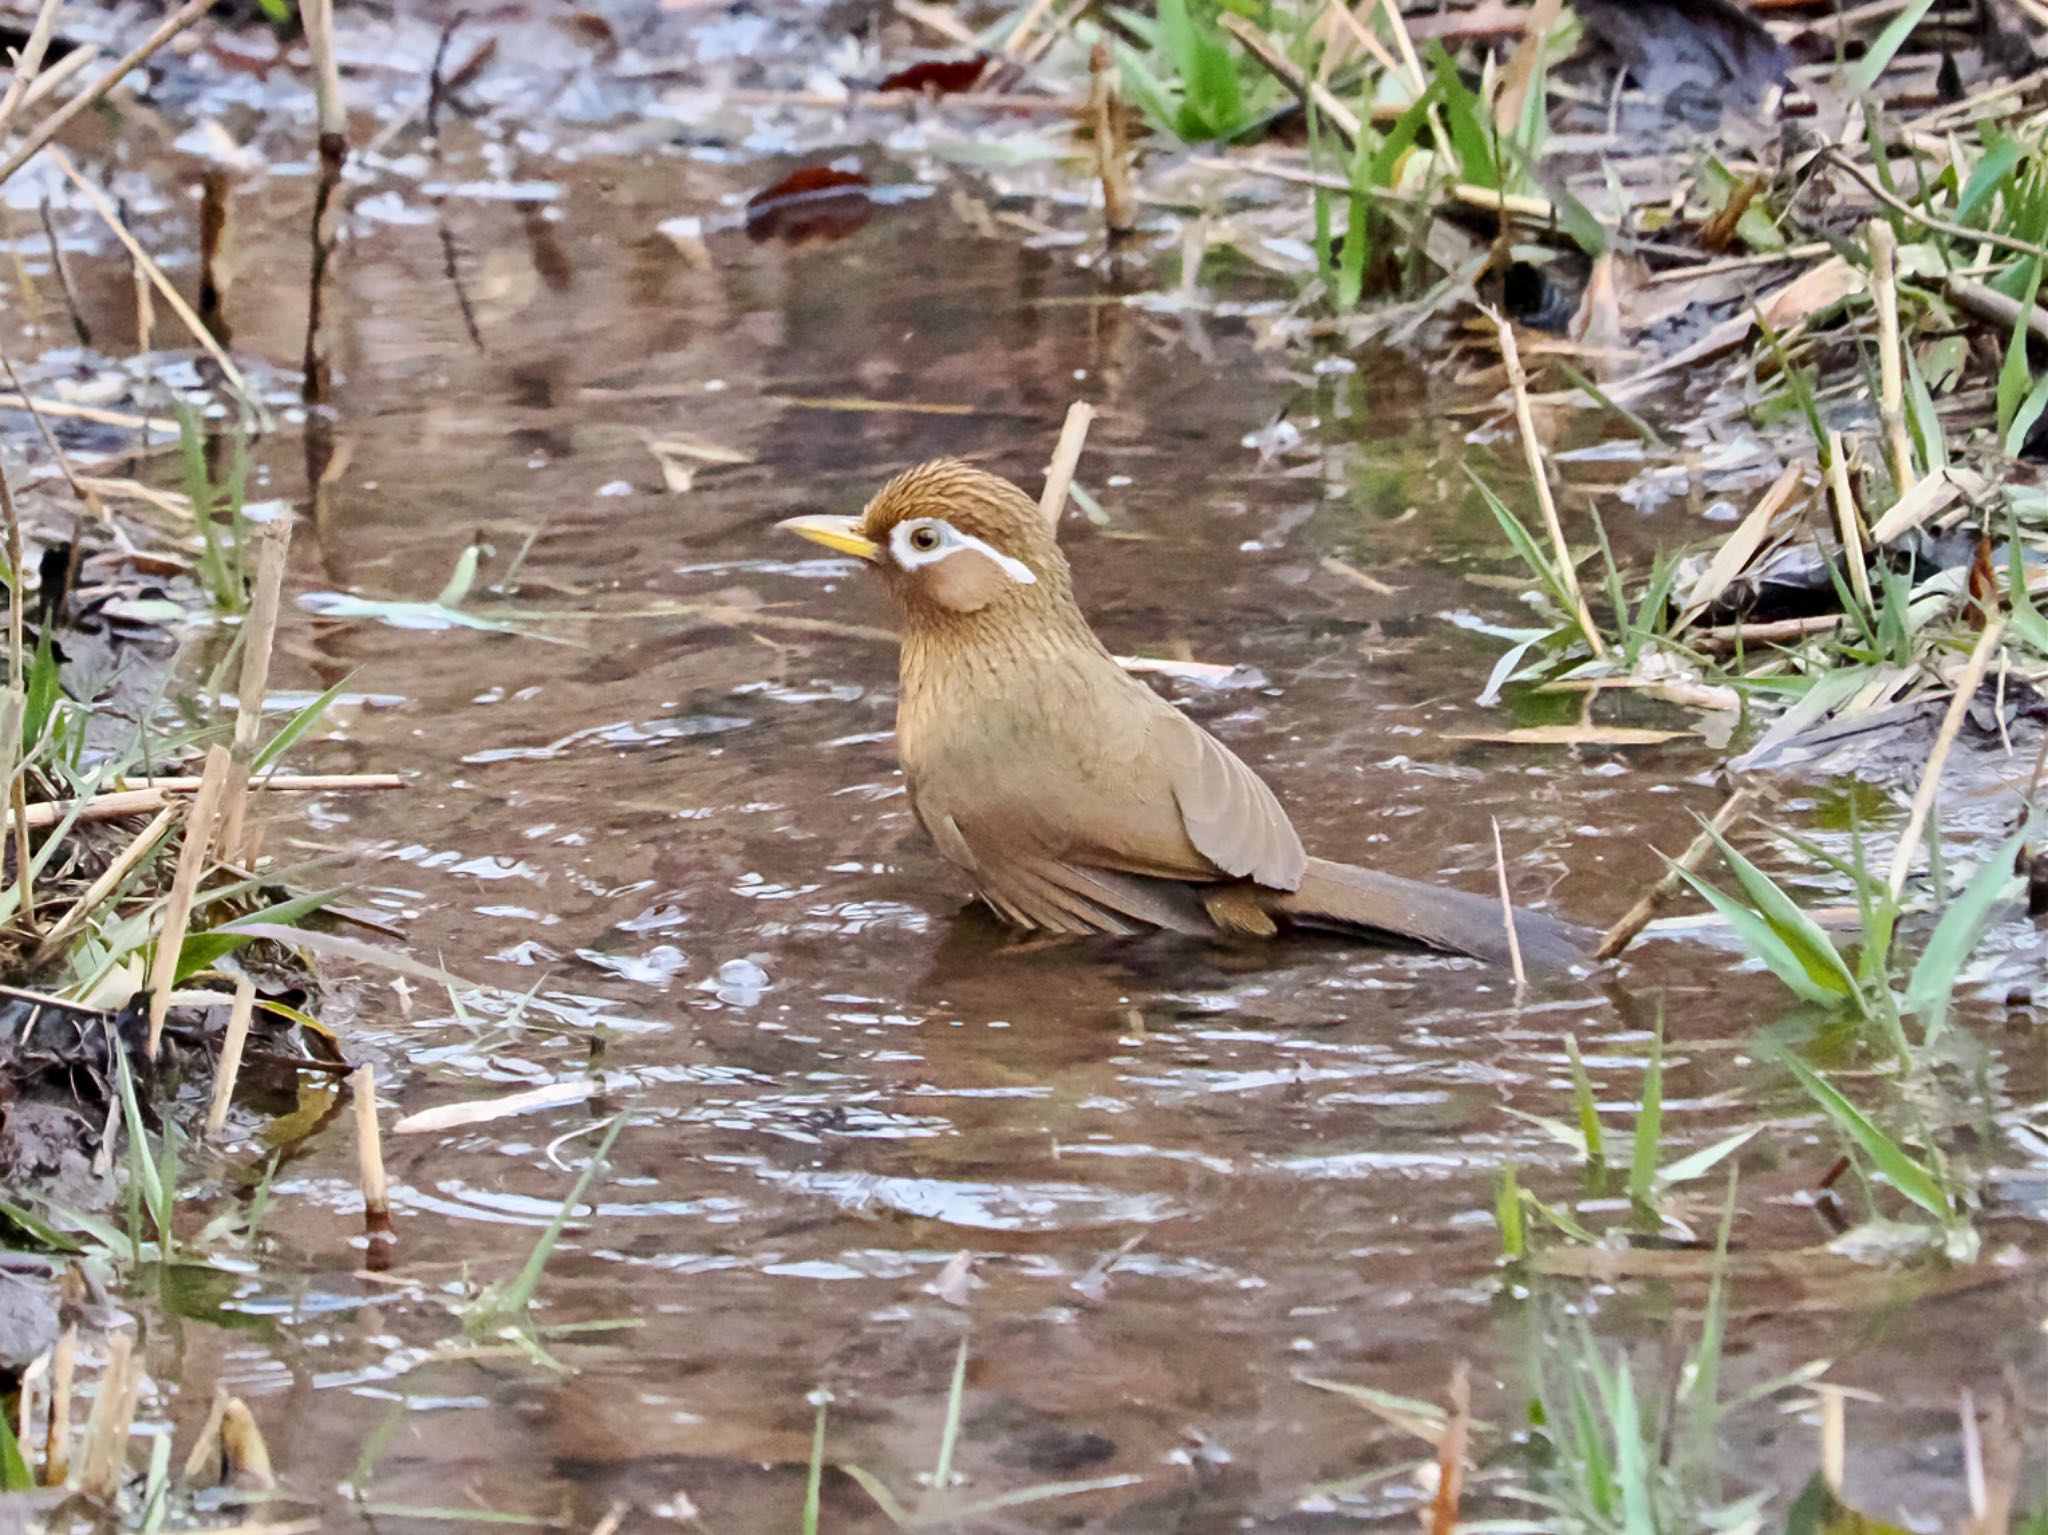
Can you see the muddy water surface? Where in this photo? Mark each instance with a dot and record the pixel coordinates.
(1189, 1178)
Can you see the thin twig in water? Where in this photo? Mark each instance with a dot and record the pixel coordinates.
(163, 285)
(1637, 917)
(86, 498)
(57, 121)
(63, 270)
(1937, 759)
(1507, 911)
(1066, 458)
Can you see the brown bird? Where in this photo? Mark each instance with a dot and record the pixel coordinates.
(1078, 799)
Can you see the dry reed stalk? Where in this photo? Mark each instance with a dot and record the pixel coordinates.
(1066, 458)
(63, 270)
(318, 16)
(1847, 523)
(13, 763)
(1834, 155)
(1507, 912)
(1937, 759)
(1112, 154)
(1450, 1455)
(1362, 35)
(1833, 1435)
(199, 827)
(245, 1458)
(1532, 452)
(203, 337)
(259, 638)
(1637, 917)
(28, 63)
(25, 1403)
(109, 881)
(57, 121)
(47, 82)
(57, 1437)
(1891, 376)
(120, 803)
(1020, 35)
(370, 1156)
(230, 1065)
(104, 1458)
(202, 1461)
(65, 410)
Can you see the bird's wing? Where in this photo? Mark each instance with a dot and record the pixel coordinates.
(1230, 815)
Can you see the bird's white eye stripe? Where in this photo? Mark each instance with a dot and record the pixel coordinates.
(927, 540)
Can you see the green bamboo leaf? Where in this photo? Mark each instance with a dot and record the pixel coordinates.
(296, 727)
(1642, 1170)
(1590, 1134)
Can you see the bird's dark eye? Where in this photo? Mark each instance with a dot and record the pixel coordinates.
(924, 539)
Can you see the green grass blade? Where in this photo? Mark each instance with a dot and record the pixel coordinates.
(520, 1295)
(1892, 1161)
(1642, 1169)
(1507, 1214)
(296, 727)
(14, 1472)
(1956, 936)
(1588, 1108)
(1763, 942)
(949, 1436)
(1889, 41)
(1823, 962)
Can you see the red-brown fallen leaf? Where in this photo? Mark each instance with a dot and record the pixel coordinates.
(816, 202)
(941, 77)
(1983, 586)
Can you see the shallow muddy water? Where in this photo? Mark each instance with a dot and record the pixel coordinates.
(1189, 1177)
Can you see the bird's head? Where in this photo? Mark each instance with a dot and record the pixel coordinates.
(951, 540)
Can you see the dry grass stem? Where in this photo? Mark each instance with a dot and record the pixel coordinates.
(1532, 451)
(110, 880)
(259, 638)
(1637, 917)
(103, 1462)
(1507, 911)
(1741, 546)
(28, 63)
(86, 498)
(1066, 458)
(59, 120)
(1112, 154)
(1833, 1435)
(1951, 723)
(1835, 156)
(192, 857)
(202, 1461)
(1891, 374)
(1929, 497)
(231, 1047)
(1847, 523)
(57, 1437)
(201, 336)
(1450, 1455)
(1310, 92)
(318, 19)
(155, 794)
(370, 1153)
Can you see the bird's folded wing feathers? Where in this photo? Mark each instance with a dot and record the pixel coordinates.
(1230, 815)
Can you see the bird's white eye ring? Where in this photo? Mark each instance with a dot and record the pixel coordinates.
(924, 539)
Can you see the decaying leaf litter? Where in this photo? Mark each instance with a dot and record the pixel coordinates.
(1728, 320)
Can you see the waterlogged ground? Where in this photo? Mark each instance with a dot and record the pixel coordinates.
(663, 802)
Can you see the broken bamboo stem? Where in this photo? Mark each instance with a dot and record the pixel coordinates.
(1066, 458)
(199, 827)
(259, 638)
(231, 1047)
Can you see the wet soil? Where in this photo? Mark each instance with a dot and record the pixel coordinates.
(667, 807)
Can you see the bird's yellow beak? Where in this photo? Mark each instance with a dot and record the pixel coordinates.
(841, 533)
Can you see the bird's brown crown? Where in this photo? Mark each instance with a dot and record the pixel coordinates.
(956, 540)
(977, 503)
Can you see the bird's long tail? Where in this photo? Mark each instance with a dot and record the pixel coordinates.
(1342, 895)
